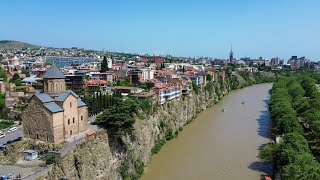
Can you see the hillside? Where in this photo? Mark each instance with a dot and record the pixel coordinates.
(5, 44)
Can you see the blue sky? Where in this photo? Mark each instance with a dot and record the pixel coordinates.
(256, 28)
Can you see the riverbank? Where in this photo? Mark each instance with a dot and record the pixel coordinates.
(219, 145)
(104, 156)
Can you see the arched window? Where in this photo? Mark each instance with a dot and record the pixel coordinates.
(51, 86)
(68, 121)
(61, 85)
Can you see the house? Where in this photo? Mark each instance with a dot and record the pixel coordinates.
(143, 96)
(125, 90)
(167, 92)
(54, 114)
(107, 76)
(135, 76)
(30, 155)
(147, 74)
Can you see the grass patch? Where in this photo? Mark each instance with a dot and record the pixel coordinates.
(5, 124)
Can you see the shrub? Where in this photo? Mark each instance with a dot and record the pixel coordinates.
(169, 134)
(157, 146)
(50, 160)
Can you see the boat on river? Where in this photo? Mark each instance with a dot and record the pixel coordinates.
(223, 110)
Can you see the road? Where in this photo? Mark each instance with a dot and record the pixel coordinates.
(12, 135)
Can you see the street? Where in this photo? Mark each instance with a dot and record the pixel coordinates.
(11, 135)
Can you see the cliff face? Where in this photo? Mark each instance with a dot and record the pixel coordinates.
(103, 157)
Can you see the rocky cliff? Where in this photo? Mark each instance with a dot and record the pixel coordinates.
(104, 157)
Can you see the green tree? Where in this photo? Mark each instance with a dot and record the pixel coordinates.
(25, 72)
(15, 77)
(104, 65)
(209, 77)
(119, 118)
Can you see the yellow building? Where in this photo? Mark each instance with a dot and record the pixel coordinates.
(56, 113)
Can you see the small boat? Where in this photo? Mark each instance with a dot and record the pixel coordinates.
(223, 110)
(242, 102)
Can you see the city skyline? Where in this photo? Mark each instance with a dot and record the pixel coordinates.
(267, 29)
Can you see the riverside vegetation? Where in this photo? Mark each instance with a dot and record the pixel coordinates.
(294, 108)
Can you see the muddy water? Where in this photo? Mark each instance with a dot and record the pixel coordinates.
(219, 145)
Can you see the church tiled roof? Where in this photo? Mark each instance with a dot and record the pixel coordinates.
(43, 97)
(51, 102)
(53, 107)
(53, 73)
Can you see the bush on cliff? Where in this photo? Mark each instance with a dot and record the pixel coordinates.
(157, 146)
(119, 118)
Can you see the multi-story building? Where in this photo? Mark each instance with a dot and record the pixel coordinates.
(167, 92)
(54, 114)
(107, 76)
(135, 76)
(147, 74)
(75, 82)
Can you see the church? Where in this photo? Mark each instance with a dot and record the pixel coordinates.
(54, 114)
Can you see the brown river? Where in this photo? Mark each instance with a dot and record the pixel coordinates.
(219, 145)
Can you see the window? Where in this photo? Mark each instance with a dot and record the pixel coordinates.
(37, 136)
(70, 104)
(68, 121)
(70, 132)
(81, 118)
(51, 83)
(73, 120)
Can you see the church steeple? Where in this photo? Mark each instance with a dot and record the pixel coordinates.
(54, 81)
(231, 55)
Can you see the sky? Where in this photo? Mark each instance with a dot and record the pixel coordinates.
(266, 28)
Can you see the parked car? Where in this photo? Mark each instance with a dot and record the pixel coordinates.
(18, 139)
(9, 142)
(12, 129)
(2, 134)
(2, 146)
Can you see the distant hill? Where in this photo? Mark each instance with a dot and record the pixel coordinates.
(6, 44)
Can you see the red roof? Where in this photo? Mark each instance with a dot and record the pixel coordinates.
(267, 178)
(104, 82)
(92, 83)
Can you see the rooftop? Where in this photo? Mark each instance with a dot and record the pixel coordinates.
(53, 73)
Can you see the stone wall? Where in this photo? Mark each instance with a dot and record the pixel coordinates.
(37, 122)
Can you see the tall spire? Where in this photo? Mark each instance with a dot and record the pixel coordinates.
(231, 55)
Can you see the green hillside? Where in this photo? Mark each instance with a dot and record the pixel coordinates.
(5, 44)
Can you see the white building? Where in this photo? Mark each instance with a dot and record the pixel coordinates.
(147, 73)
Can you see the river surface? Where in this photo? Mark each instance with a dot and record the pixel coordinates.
(219, 145)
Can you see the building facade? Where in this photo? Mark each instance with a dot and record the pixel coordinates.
(54, 114)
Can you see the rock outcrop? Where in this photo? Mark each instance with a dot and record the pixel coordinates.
(103, 157)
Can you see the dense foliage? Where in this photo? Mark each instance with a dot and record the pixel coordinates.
(293, 101)
(104, 65)
(3, 109)
(119, 114)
